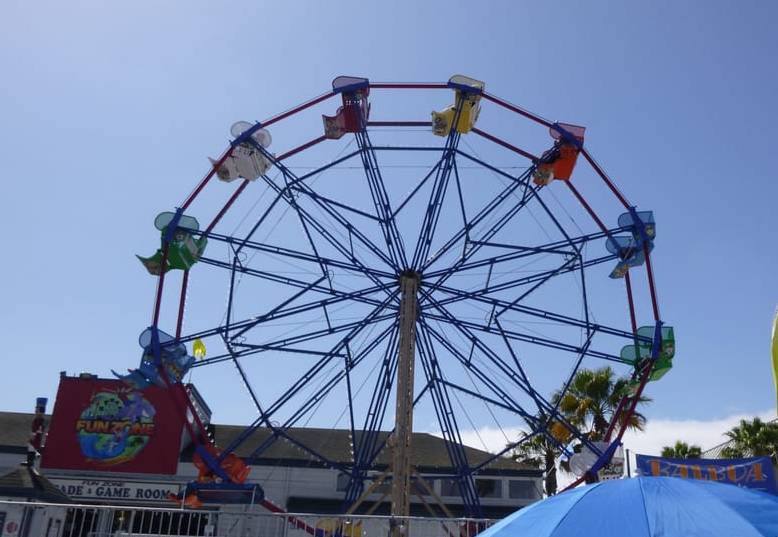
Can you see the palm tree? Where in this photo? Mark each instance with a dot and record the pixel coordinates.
(542, 449)
(541, 453)
(752, 439)
(682, 450)
(592, 400)
(590, 404)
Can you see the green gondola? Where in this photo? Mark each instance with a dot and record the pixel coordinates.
(183, 250)
(638, 354)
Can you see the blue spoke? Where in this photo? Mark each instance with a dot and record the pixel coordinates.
(488, 166)
(482, 397)
(365, 446)
(448, 423)
(295, 254)
(279, 312)
(526, 338)
(300, 383)
(339, 205)
(304, 188)
(519, 367)
(529, 249)
(252, 324)
(506, 449)
(508, 372)
(526, 280)
(292, 282)
(253, 348)
(417, 187)
(259, 222)
(487, 380)
(565, 267)
(581, 355)
(301, 216)
(324, 390)
(507, 192)
(461, 205)
(578, 251)
(357, 328)
(437, 195)
(394, 242)
(521, 252)
(294, 181)
(250, 350)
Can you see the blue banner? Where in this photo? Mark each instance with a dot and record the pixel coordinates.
(755, 472)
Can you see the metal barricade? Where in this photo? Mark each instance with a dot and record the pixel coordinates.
(69, 520)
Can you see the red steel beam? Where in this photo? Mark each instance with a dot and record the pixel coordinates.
(587, 207)
(505, 144)
(182, 304)
(293, 111)
(407, 85)
(516, 109)
(605, 178)
(399, 123)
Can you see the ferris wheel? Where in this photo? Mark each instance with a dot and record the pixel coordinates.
(393, 269)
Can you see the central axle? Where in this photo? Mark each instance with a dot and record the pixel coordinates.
(403, 426)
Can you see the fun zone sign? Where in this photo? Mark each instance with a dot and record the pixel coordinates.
(103, 425)
(125, 491)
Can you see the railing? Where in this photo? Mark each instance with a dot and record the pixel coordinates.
(69, 520)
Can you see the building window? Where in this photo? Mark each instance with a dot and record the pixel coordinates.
(342, 483)
(486, 488)
(489, 488)
(383, 488)
(449, 487)
(343, 480)
(523, 490)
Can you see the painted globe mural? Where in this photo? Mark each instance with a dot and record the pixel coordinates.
(115, 427)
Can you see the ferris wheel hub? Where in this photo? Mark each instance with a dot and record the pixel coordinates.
(410, 274)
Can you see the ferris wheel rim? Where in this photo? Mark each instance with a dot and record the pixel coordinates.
(208, 232)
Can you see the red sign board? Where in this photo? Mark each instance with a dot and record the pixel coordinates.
(104, 425)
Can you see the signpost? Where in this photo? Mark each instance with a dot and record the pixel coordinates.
(116, 491)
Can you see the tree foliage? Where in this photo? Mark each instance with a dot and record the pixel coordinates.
(540, 452)
(752, 438)
(682, 450)
(589, 404)
(592, 400)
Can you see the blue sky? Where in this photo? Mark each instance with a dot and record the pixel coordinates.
(108, 111)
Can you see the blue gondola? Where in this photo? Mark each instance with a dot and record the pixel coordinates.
(173, 358)
(631, 249)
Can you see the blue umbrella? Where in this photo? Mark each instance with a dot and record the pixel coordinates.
(647, 507)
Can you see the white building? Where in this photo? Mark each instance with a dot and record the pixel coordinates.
(291, 478)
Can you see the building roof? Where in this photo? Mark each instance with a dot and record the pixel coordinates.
(15, 431)
(25, 483)
(716, 451)
(429, 453)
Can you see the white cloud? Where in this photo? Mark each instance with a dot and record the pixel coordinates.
(704, 433)
(490, 439)
(659, 432)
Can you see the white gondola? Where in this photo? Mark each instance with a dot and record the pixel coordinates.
(246, 160)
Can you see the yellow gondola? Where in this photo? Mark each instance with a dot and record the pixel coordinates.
(468, 95)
